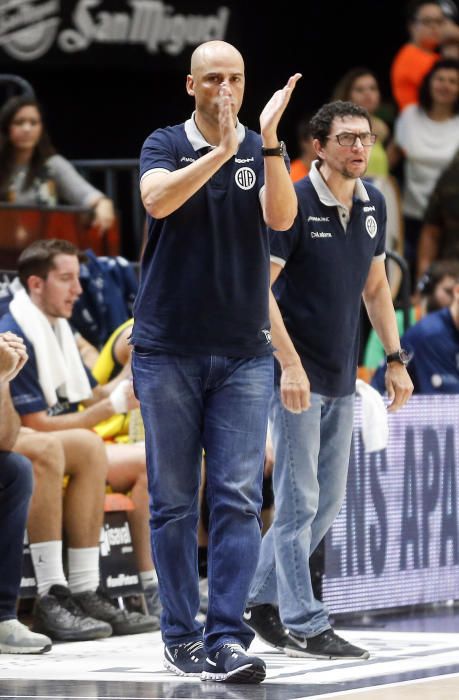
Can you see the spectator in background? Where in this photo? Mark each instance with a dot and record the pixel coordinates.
(360, 86)
(440, 232)
(33, 174)
(435, 291)
(434, 344)
(428, 26)
(450, 48)
(47, 395)
(299, 167)
(427, 136)
(16, 484)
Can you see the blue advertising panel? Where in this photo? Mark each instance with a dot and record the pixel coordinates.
(395, 541)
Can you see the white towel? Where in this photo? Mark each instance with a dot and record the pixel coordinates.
(60, 368)
(375, 424)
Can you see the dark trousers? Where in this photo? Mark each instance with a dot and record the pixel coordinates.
(16, 484)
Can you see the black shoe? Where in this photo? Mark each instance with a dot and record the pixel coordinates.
(185, 659)
(265, 620)
(57, 615)
(99, 605)
(326, 645)
(232, 664)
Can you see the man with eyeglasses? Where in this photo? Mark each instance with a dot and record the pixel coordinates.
(428, 27)
(320, 268)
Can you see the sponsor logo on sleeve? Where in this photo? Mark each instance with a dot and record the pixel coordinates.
(371, 226)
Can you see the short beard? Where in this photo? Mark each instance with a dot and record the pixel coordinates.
(350, 176)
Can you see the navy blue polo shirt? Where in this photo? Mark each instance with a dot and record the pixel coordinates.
(326, 257)
(205, 270)
(25, 388)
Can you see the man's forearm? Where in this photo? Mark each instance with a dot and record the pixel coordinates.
(9, 419)
(164, 193)
(380, 309)
(285, 350)
(280, 200)
(80, 419)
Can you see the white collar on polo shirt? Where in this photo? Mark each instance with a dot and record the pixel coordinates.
(324, 193)
(198, 141)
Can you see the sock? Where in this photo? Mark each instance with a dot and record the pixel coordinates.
(47, 563)
(148, 579)
(83, 569)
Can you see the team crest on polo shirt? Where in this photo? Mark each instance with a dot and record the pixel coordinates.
(371, 226)
(245, 178)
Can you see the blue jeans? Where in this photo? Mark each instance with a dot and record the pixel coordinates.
(219, 404)
(310, 471)
(16, 484)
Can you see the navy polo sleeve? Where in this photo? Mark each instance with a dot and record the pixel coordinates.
(382, 223)
(283, 243)
(25, 390)
(157, 153)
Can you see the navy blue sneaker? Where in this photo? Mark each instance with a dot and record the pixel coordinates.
(185, 659)
(232, 664)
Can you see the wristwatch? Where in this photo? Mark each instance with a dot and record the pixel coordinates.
(279, 150)
(402, 356)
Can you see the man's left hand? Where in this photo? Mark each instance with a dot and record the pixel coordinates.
(274, 109)
(398, 384)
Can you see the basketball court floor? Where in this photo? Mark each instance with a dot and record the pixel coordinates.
(413, 657)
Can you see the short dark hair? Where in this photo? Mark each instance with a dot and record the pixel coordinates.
(425, 95)
(444, 268)
(435, 273)
(413, 7)
(38, 258)
(321, 122)
(42, 151)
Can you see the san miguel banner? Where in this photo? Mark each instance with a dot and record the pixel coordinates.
(396, 540)
(60, 29)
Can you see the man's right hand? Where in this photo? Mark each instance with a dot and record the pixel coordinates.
(295, 389)
(228, 134)
(13, 356)
(122, 397)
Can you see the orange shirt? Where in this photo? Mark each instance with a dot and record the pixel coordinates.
(409, 67)
(298, 170)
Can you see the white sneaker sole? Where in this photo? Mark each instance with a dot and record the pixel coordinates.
(244, 674)
(7, 649)
(307, 655)
(178, 671)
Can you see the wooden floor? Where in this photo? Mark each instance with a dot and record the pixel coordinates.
(412, 658)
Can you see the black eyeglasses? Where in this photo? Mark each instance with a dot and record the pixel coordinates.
(347, 138)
